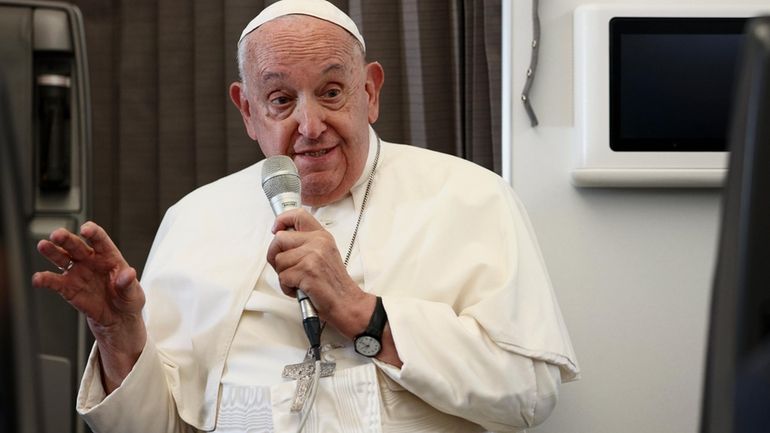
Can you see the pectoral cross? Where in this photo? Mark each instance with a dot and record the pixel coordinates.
(303, 373)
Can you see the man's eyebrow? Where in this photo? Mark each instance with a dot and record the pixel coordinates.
(335, 67)
(268, 76)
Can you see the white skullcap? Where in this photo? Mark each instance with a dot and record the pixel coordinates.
(316, 8)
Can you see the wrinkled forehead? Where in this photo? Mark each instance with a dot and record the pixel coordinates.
(293, 50)
(319, 9)
(294, 39)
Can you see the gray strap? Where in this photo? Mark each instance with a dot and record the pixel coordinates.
(532, 64)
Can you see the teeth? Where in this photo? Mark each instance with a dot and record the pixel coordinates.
(316, 154)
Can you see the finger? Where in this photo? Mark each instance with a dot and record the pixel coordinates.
(284, 241)
(297, 219)
(287, 259)
(72, 244)
(289, 281)
(97, 237)
(53, 281)
(56, 255)
(289, 291)
(40, 280)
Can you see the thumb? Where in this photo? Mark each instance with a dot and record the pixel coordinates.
(124, 282)
(297, 219)
(128, 288)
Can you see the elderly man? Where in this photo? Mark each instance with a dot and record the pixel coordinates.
(441, 273)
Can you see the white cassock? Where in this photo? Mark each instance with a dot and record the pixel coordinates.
(445, 243)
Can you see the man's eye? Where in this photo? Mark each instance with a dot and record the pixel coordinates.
(332, 93)
(280, 100)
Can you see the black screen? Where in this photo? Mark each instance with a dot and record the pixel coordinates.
(671, 81)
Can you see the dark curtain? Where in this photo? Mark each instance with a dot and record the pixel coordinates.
(163, 123)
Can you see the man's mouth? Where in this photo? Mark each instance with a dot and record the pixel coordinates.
(315, 153)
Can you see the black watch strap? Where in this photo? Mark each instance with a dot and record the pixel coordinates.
(378, 320)
(369, 342)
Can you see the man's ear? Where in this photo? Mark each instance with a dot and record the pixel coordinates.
(375, 77)
(238, 96)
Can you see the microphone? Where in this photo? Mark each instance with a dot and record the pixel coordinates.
(282, 186)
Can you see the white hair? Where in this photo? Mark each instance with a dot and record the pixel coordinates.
(241, 58)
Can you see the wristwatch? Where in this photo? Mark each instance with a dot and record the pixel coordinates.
(369, 342)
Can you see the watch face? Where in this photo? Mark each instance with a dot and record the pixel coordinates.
(367, 346)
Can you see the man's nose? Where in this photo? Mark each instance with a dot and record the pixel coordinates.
(311, 118)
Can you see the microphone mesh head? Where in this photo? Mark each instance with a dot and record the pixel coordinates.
(279, 175)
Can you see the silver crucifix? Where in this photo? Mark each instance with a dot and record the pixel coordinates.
(303, 374)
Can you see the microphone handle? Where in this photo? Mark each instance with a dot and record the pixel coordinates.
(310, 321)
(305, 305)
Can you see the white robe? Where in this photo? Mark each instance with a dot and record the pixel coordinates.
(445, 243)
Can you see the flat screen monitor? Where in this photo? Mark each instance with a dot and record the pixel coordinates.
(737, 381)
(671, 82)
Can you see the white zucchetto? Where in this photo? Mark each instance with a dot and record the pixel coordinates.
(316, 8)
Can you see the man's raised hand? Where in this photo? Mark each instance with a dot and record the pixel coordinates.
(97, 281)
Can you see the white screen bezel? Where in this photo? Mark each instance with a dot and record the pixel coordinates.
(596, 164)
